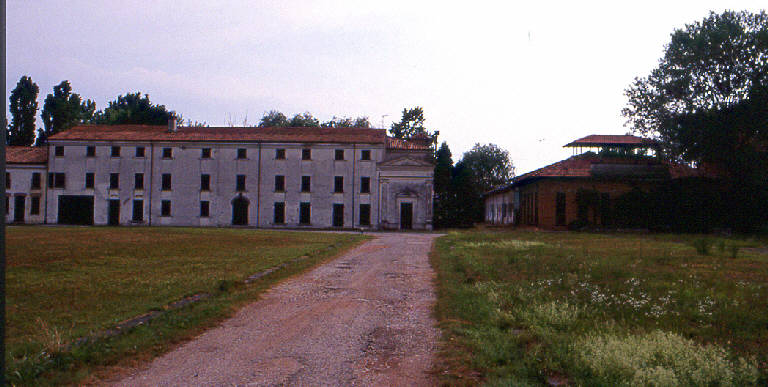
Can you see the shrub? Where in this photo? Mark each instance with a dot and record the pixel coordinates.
(658, 359)
(702, 245)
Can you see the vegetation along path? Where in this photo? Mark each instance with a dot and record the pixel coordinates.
(363, 318)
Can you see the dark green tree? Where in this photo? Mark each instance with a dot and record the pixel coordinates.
(133, 108)
(443, 203)
(23, 107)
(304, 120)
(273, 119)
(490, 166)
(62, 110)
(347, 122)
(411, 123)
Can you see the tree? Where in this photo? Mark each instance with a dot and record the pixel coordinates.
(132, 108)
(347, 122)
(707, 102)
(443, 203)
(490, 166)
(273, 119)
(23, 107)
(62, 110)
(411, 123)
(305, 120)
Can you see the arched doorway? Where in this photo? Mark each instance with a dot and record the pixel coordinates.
(240, 211)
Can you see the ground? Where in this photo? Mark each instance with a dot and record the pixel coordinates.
(363, 318)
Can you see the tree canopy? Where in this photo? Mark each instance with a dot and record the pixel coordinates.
(273, 119)
(304, 120)
(490, 166)
(133, 108)
(347, 122)
(62, 110)
(23, 107)
(411, 123)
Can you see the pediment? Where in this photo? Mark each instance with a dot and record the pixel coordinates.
(406, 161)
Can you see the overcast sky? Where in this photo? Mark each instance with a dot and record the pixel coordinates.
(528, 77)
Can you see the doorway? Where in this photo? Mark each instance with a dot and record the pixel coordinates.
(338, 215)
(406, 216)
(113, 213)
(75, 209)
(240, 211)
(18, 209)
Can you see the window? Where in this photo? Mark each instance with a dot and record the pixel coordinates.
(138, 181)
(138, 211)
(90, 151)
(166, 183)
(304, 213)
(205, 208)
(56, 180)
(306, 154)
(34, 206)
(338, 184)
(139, 151)
(116, 151)
(365, 214)
(339, 154)
(338, 215)
(280, 154)
(205, 182)
(35, 180)
(89, 177)
(114, 180)
(242, 153)
(59, 151)
(240, 184)
(560, 209)
(205, 153)
(306, 184)
(165, 208)
(279, 216)
(7, 205)
(167, 153)
(365, 184)
(7, 180)
(279, 183)
(365, 155)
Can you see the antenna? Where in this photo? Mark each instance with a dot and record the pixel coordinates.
(382, 120)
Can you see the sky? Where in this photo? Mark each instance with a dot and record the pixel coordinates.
(528, 77)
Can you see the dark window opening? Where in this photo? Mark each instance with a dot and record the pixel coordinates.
(304, 213)
(305, 184)
(365, 214)
(56, 180)
(36, 180)
(205, 153)
(34, 207)
(139, 151)
(166, 182)
(114, 180)
(240, 184)
(205, 208)
(338, 184)
(116, 151)
(365, 185)
(365, 155)
(165, 208)
(59, 151)
(279, 216)
(338, 215)
(167, 153)
(7, 180)
(242, 153)
(339, 155)
(138, 211)
(205, 182)
(280, 154)
(138, 181)
(306, 154)
(279, 183)
(90, 151)
(89, 180)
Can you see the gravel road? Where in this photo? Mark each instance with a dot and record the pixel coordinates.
(361, 319)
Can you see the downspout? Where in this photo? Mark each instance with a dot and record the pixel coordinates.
(354, 158)
(151, 177)
(258, 190)
(47, 187)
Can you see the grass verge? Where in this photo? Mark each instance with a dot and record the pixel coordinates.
(524, 308)
(64, 283)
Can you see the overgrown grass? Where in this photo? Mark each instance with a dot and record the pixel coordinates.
(64, 283)
(524, 308)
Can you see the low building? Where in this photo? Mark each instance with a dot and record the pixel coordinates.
(25, 184)
(581, 187)
(263, 177)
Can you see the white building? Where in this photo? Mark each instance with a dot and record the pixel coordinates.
(263, 177)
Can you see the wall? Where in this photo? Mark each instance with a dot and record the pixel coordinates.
(21, 185)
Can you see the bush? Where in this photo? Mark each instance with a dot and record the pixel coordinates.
(658, 359)
(703, 245)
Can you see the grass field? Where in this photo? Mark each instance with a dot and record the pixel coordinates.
(524, 308)
(64, 283)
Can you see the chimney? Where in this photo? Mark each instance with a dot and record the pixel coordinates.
(172, 123)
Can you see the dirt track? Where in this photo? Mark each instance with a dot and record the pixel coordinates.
(361, 319)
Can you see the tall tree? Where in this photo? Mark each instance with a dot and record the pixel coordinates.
(304, 120)
(443, 204)
(490, 166)
(62, 110)
(411, 123)
(23, 106)
(133, 108)
(273, 119)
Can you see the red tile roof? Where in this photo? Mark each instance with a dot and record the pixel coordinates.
(400, 144)
(26, 155)
(221, 134)
(610, 140)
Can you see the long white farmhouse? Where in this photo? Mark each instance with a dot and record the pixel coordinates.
(203, 176)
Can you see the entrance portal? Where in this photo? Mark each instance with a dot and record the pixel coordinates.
(338, 215)
(18, 209)
(114, 212)
(406, 216)
(240, 211)
(75, 209)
